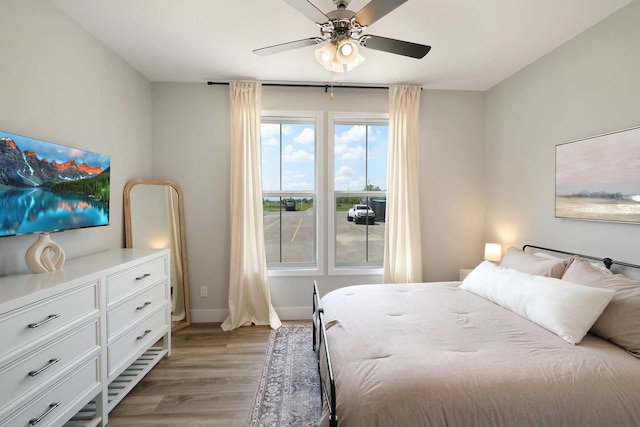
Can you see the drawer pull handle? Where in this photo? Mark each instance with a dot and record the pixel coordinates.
(47, 366)
(143, 305)
(34, 421)
(47, 320)
(147, 332)
(144, 276)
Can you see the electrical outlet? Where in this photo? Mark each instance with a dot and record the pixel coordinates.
(203, 292)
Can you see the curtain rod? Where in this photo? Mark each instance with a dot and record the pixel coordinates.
(325, 86)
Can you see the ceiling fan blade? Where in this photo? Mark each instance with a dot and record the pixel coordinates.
(375, 10)
(398, 47)
(282, 47)
(309, 10)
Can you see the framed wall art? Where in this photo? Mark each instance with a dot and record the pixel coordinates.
(598, 178)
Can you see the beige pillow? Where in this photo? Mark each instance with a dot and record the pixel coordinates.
(620, 321)
(532, 264)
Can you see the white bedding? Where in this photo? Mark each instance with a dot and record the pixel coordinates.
(432, 354)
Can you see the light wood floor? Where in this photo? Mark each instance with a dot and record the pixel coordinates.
(209, 380)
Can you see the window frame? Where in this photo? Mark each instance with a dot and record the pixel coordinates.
(281, 116)
(331, 194)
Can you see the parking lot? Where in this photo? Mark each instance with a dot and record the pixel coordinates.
(298, 231)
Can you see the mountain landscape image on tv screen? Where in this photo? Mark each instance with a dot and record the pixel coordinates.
(47, 187)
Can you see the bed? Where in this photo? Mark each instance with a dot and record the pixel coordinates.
(475, 354)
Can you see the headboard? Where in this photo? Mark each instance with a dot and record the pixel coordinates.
(608, 262)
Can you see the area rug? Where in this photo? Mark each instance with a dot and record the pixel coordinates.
(289, 389)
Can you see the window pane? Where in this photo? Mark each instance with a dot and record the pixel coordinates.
(377, 144)
(360, 231)
(289, 231)
(360, 183)
(270, 138)
(298, 148)
(288, 156)
(288, 187)
(271, 221)
(350, 152)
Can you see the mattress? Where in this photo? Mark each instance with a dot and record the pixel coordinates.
(432, 354)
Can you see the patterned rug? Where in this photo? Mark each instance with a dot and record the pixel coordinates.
(289, 389)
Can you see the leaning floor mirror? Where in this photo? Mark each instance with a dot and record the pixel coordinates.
(154, 218)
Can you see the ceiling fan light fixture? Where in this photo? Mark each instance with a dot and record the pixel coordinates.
(326, 55)
(330, 57)
(347, 51)
(341, 34)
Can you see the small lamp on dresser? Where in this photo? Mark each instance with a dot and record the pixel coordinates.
(493, 252)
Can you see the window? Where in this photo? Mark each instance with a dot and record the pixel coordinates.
(310, 205)
(289, 191)
(359, 191)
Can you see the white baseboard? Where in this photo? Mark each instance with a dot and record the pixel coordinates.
(285, 313)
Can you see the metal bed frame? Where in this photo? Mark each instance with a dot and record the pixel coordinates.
(608, 262)
(327, 391)
(321, 346)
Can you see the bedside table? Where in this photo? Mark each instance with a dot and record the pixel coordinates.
(464, 272)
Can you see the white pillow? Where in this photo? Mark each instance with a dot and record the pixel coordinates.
(565, 308)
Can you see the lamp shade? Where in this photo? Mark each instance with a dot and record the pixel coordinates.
(331, 59)
(347, 51)
(493, 252)
(326, 55)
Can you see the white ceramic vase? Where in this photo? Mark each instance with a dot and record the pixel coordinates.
(44, 255)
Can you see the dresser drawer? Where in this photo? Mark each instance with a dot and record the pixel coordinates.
(129, 281)
(135, 309)
(53, 407)
(37, 321)
(29, 372)
(136, 340)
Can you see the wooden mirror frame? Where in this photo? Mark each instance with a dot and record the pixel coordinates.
(183, 243)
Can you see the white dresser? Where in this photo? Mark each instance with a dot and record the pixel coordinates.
(74, 342)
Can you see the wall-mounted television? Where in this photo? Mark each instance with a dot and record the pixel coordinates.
(46, 187)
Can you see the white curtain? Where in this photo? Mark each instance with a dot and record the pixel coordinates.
(249, 296)
(402, 251)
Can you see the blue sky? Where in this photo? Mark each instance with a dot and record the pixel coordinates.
(298, 146)
(59, 153)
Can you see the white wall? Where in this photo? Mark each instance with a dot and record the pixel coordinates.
(452, 193)
(192, 147)
(191, 135)
(586, 87)
(59, 84)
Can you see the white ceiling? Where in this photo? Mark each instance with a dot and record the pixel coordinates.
(475, 43)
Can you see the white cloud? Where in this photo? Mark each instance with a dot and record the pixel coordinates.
(297, 156)
(269, 129)
(270, 142)
(374, 134)
(296, 181)
(345, 170)
(353, 134)
(307, 136)
(289, 154)
(270, 134)
(346, 152)
(346, 179)
(287, 130)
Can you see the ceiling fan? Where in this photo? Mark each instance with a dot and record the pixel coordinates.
(341, 33)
